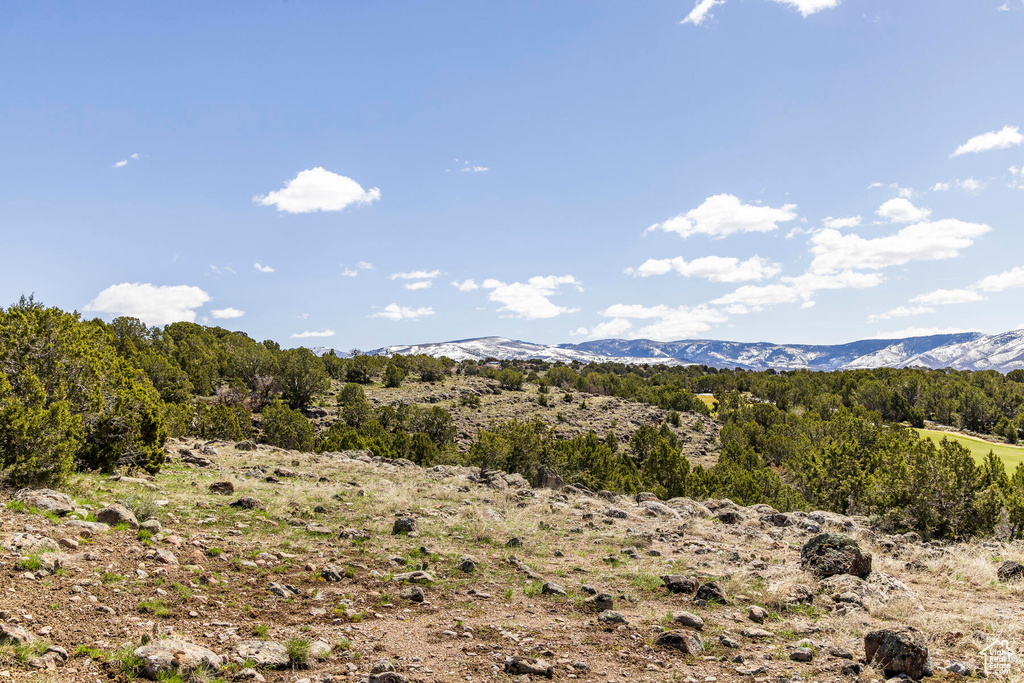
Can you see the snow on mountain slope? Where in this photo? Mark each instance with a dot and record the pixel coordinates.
(965, 351)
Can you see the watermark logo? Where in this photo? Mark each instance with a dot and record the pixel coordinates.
(998, 659)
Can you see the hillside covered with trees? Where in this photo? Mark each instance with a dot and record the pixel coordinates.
(90, 395)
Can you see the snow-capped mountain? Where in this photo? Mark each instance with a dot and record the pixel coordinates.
(965, 351)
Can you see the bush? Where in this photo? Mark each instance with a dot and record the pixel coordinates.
(511, 379)
(286, 428)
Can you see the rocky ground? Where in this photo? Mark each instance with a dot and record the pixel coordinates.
(585, 412)
(281, 566)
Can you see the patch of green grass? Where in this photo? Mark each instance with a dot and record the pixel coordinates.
(93, 653)
(979, 448)
(260, 631)
(157, 608)
(17, 506)
(30, 562)
(131, 666)
(533, 589)
(145, 535)
(214, 552)
(111, 577)
(342, 644)
(646, 582)
(298, 651)
(184, 593)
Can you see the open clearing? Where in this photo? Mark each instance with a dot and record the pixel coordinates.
(1010, 455)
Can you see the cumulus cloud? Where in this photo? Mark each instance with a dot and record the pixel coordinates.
(467, 167)
(579, 332)
(309, 334)
(1011, 279)
(944, 297)
(724, 214)
(701, 12)
(395, 312)
(466, 285)
(809, 7)
(925, 241)
(941, 187)
(348, 272)
(262, 268)
(152, 304)
(901, 210)
(900, 312)
(1009, 136)
(749, 298)
(364, 265)
(422, 284)
(531, 299)
(712, 268)
(227, 313)
(415, 275)
(317, 189)
(840, 223)
(972, 185)
(667, 323)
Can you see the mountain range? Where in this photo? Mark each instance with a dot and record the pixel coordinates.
(963, 351)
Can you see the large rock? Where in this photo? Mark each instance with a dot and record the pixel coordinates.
(712, 591)
(403, 525)
(9, 633)
(686, 642)
(266, 653)
(46, 500)
(547, 478)
(117, 514)
(1010, 570)
(161, 657)
(831, 554)
(898, 652)
(678, 583)
(521, 665)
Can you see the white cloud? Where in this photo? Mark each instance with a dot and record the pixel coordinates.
(415, 275)
(925, 241)
(921, 332)
(227, 313)
(840, 223)
(1011, 279)
(809, 7)
(262, 268)
(466, 285)
(124, 162)
(900, 312)
(308, 334)
(317, 189)
(701, 12)
(756, 297)
(971, 185)
(724, 214)
(811, 282)
(901, 210)
(422, 284)
(670, 323)
(364, 265)
(530, 300)
(944, 297)
(348, 272)
(152, 304)
(395, 312)
(1017, 177)
(579, 332)
(1009, 136)
(713, 268)
(475, 169)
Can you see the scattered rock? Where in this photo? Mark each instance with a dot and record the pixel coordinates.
(523, 665)
(245, 446)
(802, 654)
(467, 565)
(689, 620)
(677, 583)
(686, 642)
(550, 588)
(264, 653)
(712, 591)
(223, 488)
(758, 614)
(170, 656)
(248, 503)
(404, 525)
(756, 633)
(414, 577)
(115, 514)
(611, 617)
(332, 573)
(547, 478)
(413, 594)
(832, 554)
(600, 602)
(897, 652)
(1010, 570)
(46, 500)
(9, 633)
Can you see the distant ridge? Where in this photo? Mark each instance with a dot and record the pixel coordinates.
(963, 351)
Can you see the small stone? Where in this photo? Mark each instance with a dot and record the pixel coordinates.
(523, 665)
(404, 525)
(413, 594)
(758, 614)
(117, 514)
(802, 654)
(686, 642)
(689, 620)
(611, 617)
(550, 588)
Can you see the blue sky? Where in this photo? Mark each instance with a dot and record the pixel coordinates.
(359, 174)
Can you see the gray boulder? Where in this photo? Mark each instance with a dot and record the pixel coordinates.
(898, 651)
(175, 656)
(832, 554)
(46, 500)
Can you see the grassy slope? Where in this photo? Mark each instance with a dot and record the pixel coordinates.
(1011, 455)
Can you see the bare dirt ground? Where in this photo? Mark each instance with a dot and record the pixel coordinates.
(214, 581)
